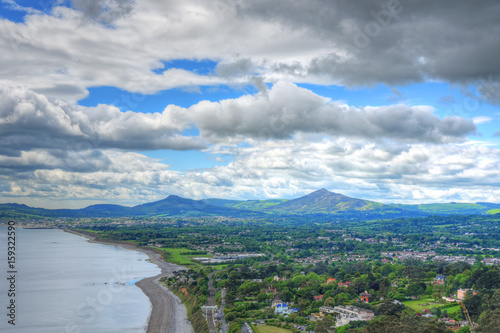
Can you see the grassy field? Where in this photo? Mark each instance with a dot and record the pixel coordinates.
(494, 211)
(181, 256)
(270, 329)
(416, 305)
(443, 226)
(452, 310)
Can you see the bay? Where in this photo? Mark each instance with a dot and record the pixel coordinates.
(66, 284)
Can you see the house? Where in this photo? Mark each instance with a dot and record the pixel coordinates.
(271, 290)
(281, 308)
(461, 293)
(365, 297)
(440, 279)
(276, 302)
(316, 316)
(330, 280)
(345, 284)
(318, 298)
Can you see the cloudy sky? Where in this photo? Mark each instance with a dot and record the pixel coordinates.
(123, 101)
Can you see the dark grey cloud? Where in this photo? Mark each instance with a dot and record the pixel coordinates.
(236, 68)
(29, 121)
(391, 41)
(104, 11)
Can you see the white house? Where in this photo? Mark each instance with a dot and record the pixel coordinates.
(283, 309)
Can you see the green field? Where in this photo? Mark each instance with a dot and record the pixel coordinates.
(494, 211)
(181, 256)
(443, 225)
(416, 305)
(270, 329)
(453, 309)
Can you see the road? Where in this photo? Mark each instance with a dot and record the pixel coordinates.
(245, 328)
(223, 327)
(210, 314)
(212, 327)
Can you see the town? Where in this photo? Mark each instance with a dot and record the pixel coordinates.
(304, 275)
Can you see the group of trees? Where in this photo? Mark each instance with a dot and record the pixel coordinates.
(286, 242)
(251, 299)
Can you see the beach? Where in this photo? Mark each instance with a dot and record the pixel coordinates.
(168, 314)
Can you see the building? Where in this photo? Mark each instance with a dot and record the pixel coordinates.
(345, 284)
(365, 297)
(348, 313)
(276, 302)
(440, 279)
(326, 310)
(283, 309)
(330, 280)
(316, 316)
(318, 298)
(461, 293)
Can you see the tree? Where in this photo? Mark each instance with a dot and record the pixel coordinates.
(436, 311)
(493, 302)
(489, 321)
(323, 325)
(390, 308)
(489, 280)
(473, 305)
(414, 273)
(436, 296)
(262, 297)
(415, 289)
(330, 302)
(230, 316)
(386, 269)
(464, 329)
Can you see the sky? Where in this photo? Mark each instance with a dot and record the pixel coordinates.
(126, 102)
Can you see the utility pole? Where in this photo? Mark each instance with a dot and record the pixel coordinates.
(467, 317)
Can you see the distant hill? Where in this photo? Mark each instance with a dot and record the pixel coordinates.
(323, 202)
(319, 203)
(169, 207)
(174, 205)
(451, 208)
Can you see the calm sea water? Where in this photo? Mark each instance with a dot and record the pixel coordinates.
(66, 284)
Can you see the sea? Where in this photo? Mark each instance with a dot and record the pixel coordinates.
(64, 284)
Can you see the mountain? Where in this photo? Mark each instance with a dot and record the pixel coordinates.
(451, 208)
(171, 206)
(174, 205)
(222, 202)
(319, 203)
(324, 202)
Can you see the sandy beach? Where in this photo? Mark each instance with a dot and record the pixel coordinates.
(168, 314)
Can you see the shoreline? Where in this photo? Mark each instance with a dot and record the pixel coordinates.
(168, 314)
